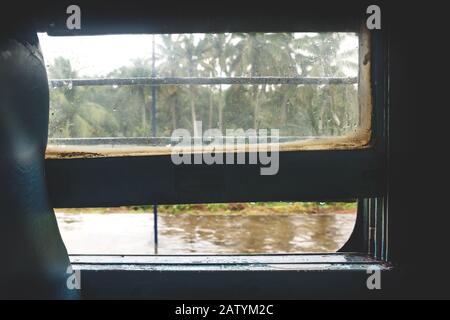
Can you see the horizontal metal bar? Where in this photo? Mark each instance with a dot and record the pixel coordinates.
(110, 141)
(57, 83)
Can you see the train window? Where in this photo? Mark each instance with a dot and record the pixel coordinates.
(283, 116)
(118, 103)
(115, 95)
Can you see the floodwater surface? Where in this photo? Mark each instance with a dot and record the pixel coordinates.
(132, 233)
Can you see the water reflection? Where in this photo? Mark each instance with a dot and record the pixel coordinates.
(116, 233)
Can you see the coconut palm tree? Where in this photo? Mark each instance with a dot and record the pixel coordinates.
(217, 50)
(259, 54)
(327, 107)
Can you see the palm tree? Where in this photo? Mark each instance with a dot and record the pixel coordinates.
(282, 54)
(259, 54)
(171, 65)
(72, 112)
(325, 106)
(217, 49)
(192, 55)
(140, 68)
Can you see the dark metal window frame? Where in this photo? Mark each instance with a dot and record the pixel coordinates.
(304, 176)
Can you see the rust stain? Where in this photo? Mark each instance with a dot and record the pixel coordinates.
(53, 154)
(359, 140)
(366, 58)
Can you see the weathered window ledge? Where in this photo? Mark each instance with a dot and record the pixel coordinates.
(267, 262)
(301, 276)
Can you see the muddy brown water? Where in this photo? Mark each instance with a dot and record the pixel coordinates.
(128, 233)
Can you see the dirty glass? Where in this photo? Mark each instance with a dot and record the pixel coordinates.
(133, 91)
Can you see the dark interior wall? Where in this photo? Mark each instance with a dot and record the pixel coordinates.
(417, 189)
(418, 205)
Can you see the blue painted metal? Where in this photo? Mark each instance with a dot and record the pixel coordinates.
(155, 207)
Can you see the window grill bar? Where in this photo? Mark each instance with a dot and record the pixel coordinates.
(153, 112)
(58, 83)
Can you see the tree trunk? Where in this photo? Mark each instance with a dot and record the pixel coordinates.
(283, 116)
(193, 111)
(174, 113)
(210, 109)
(257, 105)
(334, 128)
(144, 108)
(220, 109)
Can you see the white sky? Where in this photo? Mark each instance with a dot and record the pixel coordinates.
(98, 55)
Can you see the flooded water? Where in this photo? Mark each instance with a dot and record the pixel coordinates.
(128, 233)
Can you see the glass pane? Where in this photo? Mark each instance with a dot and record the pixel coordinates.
(134, 91)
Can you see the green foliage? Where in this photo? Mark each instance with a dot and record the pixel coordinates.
(305, 110)
(250, 208)
(253, 208)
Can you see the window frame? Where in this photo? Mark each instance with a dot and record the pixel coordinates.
(112, 278)
(344, 174)
(323, 174)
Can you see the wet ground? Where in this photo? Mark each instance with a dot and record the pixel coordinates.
(128, 233)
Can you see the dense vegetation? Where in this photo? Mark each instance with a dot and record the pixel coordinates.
(297, 110)
(249, 208)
